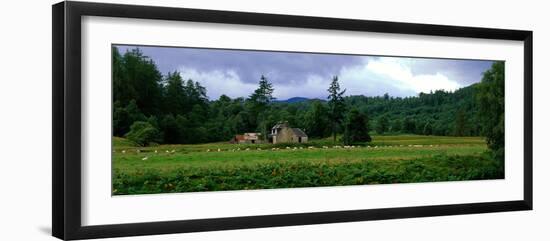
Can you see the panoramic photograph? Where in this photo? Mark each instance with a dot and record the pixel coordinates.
(202, 119)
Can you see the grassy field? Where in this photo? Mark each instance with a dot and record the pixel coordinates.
(224, 166)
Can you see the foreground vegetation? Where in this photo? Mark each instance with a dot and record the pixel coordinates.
(222, 166)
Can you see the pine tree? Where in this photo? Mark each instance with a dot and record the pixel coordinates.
(175, 95)
(336, 106)
(260, 100)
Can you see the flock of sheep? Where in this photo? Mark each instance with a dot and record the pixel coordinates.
(286, 148)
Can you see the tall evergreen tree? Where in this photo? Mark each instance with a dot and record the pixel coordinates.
(260, 100)
(143, 77)
(336, 106)
(175, 95)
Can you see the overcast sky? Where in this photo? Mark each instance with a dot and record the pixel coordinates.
(236, 72)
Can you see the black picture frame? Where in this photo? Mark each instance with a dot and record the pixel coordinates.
(66, 59)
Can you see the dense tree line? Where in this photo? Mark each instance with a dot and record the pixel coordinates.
(170, 109)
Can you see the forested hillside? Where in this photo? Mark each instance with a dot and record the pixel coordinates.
(172, 109)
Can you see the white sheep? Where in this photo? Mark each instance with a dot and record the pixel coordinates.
(123, 151)
(325, 147)
(145, 158)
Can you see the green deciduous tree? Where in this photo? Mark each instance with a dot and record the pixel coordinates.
(316, 120)
(490, 97)
(143, 133)
(356, 128)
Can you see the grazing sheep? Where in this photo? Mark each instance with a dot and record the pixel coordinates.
(287, 147)
(238, 149)
(123, 151)
(325, 147)
(138, 151)
(375, 147)
(219, 150)
(207, 150)
(145, 158)
(337, 147)
(310, 147)
(248, 149)
(156, 151)
(167, 151)
(173, 151)
(294, 148)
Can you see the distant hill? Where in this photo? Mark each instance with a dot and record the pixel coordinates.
(295, 100)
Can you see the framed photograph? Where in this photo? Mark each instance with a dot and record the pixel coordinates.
(169, 120)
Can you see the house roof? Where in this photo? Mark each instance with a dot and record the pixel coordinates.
(239, 137)
(280, 125)
(298, 132)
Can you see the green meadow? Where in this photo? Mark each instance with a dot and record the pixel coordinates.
(224, 166)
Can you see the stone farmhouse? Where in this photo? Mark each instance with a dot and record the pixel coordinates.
(283, 133)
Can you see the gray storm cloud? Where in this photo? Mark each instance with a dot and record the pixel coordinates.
(236, 72)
